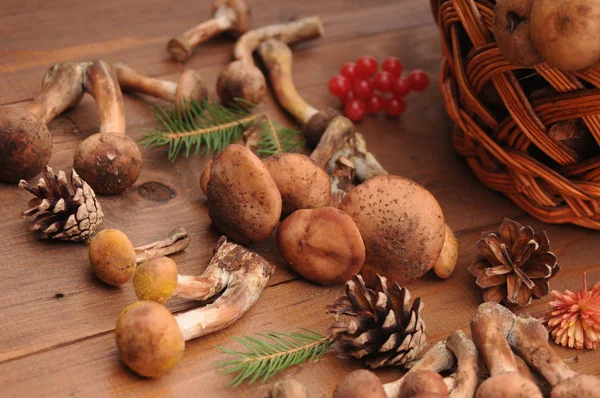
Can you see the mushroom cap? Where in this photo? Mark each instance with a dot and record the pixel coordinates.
(149, 338)
(241, 80)
(155, 280)
(302, 184)
(402, 226)
(566, 32)
(242, 22)
(323, 245)
(511, 29)
(360, 384)
(112, 257)
(243, 200)
(205, 177)
(25, 144)
(580, 386)
(110, 163)
(446, 263)
(423, 383)
(508, 385)
(316, 126)
(190, 87)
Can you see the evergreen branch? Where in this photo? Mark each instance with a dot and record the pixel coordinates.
(207, 125)
(274, 353)
(275, 138)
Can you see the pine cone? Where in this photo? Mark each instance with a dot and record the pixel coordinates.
(514, 264)
(60, 213)
(381, 326)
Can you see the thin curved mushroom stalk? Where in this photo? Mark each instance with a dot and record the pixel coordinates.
(176, 241)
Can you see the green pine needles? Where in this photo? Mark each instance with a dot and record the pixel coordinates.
(273, 353)
(209, 127)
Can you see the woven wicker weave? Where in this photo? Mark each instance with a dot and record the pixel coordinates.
(503, 133)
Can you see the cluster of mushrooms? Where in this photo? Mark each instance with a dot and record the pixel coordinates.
(508, 344)
(562, 32)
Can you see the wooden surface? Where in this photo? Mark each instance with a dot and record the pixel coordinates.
(57, 320)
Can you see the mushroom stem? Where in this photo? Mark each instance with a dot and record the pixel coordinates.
(176, 241)
(289, 389)
(437, 359)
(109, 161)
(489, 328)
(290, 33)
(62, 88)
(355, 150)
(189, 87)
(465, 377)
(250, 274)
(277, 58)
(529, 338)
(228, 15)
(25, 141)
(100, 83)
(129, 79)
(338, 132)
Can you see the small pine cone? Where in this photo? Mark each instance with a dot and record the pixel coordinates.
(380, 325)
(514, 264)
(63, 211)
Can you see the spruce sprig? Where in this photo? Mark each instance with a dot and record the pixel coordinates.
(273, 353)
(209, 127)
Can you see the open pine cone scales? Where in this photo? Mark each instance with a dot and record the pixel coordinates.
(514, 264)
(380, 326)
(63, 211)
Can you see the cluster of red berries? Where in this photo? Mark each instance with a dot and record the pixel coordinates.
(363, 90)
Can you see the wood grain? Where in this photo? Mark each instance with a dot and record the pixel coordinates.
(57, 320)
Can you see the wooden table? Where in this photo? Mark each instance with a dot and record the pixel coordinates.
(57, 320)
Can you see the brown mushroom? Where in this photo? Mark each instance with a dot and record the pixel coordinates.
(465, 377)
(25, 141)
(402, 226)
(157, 279)
(109, 160)
(423, 384)
(232, 16)
(530, 339)
(289, 389)
(302, 184)
(277, 58)
(360, 384)
(323, 245)
(437, 359)
(488, 329)
(190, 86)
(241, 79)
(151, 340)
(566, 32)
(113, 258)
(243, 200)
(512, 32)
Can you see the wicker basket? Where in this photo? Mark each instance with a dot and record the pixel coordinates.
(503, 115)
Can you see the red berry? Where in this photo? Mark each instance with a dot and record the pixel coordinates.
(418, 79)
(339, 86)
(366, 66)
(401, 88)
(349, 70)
(355, 110)
(394, 106)
(363, 88)
(375, 104)
(392, 65)
(348, 97)
(384, 82)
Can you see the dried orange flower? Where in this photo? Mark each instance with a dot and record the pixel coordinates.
(574, 321)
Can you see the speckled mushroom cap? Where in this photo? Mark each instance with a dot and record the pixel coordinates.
(242, 22)
(243, 200)
(323, 245)
(301, 182)
(402, 226)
